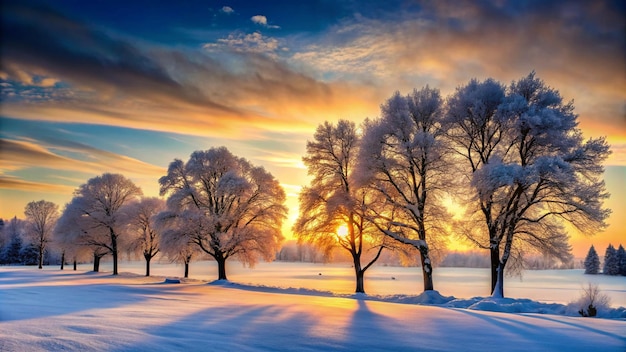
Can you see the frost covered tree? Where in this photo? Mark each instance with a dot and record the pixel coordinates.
(529, 168)
(332, 206)
(224, 205)
(73, 243)
(94, 216)
(611, 261)
(172, 244)
(592, 262)
(143, 234)
(403, 160)
(41, 217)
(479, 133)
(177, 251)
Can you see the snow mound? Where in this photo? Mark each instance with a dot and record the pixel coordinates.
(512, 305)
(274, 289)
(430, 298)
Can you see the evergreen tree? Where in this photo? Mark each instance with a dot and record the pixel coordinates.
(13, 250)
(13, 233)
(611, 261)
(29, 255)
(621, 255)
(592, 262)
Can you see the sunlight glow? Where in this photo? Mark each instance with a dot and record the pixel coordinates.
(342, 231)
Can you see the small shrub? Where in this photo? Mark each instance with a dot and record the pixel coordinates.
(591, 311)
(591, 301)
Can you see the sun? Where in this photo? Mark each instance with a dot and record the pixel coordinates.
(342, 231)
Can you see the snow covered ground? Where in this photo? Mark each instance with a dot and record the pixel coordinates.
(290, 307)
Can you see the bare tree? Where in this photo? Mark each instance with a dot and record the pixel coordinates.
(404, 161)
(143, 235)
(224, 205)
(94, 216)
(332, 207)
(535, 174)
(41, 217)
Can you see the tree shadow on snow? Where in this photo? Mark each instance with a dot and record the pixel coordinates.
(522, 332)
(582, 327)
(231, 328)
(38, 295)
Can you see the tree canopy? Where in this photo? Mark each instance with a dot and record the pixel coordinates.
(224, 205)
(94, 216)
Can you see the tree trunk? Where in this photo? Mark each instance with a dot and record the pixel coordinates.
(148, 257)
(40, 257)
(187, 261)
(62, 259)
(114, 250)
(114, 253)
(427, 270)
(360, 274)
(494, 250)
(96, 263)
(498, 291)
(221, 266)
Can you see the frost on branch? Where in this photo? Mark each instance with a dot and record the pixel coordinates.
(418, 244)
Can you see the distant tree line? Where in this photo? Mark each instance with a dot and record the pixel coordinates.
(614, 261)
(511, 155)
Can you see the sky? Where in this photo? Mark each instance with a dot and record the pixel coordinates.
(127, 86)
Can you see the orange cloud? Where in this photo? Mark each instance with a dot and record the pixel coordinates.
(17, 155)
(14, 183)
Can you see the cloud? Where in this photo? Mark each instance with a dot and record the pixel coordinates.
(227, 10)
(240, 42)
(24, 154)
(14, 183)
(283, 159)
(262, 21)
(259, 19)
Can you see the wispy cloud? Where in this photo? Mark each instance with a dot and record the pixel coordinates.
(283, 159)
(70, 156)
(252, 42)
(14, 183)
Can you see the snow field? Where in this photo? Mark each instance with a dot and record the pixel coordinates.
(53, 310)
